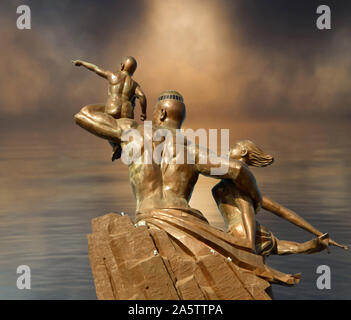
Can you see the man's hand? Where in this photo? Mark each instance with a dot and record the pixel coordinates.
(77, 63)
(143, 117)
(237, 171)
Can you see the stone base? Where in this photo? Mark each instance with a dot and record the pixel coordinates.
(130, 262)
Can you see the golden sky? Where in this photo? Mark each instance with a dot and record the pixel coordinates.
(231, 60)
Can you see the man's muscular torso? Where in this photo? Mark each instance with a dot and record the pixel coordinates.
(158, 185)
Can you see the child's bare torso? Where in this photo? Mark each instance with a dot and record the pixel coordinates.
(121, 95)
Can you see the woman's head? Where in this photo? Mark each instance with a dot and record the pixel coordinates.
(248, 152)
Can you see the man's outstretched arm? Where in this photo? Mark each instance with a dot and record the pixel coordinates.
(101, 72)
(236, 171)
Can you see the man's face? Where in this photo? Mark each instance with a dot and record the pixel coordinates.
(157, 115)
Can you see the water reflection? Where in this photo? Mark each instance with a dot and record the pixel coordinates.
(52, 185)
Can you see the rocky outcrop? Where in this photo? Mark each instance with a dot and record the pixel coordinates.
(146, 262)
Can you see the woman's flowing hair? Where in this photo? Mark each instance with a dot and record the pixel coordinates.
(255, 156)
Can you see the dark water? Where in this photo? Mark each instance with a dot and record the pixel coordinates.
(52, 185)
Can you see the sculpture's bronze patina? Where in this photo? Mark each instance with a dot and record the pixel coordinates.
(172, 252)
(239, 214)
(122, 90)
(163, 186)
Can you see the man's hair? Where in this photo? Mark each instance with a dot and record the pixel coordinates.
(173, 103)
(170, 95)
(255, 156)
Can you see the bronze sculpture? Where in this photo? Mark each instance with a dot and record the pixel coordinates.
(122, 92)
(239, 214)
(172, 252)
(170, 186)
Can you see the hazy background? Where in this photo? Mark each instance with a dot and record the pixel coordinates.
(260, 68)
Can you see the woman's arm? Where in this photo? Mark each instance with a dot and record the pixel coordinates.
(294, 218)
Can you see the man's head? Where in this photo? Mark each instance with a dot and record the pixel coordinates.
(129, 64)
(248, 152)
(170, 110)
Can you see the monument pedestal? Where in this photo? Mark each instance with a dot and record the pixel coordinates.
(141, 262)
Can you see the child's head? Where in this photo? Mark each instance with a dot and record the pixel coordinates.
(249, 153)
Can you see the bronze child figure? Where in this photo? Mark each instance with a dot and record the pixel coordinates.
(122, 92)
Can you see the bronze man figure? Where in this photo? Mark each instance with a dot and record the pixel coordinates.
(158, 186)
(190, 247)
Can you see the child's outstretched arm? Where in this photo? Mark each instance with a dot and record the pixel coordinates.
(101, 72)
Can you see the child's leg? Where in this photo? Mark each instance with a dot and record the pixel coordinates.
(94, 119)
(127, 110)
(114, 109)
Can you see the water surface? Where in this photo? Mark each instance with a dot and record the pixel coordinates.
(52, 185)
